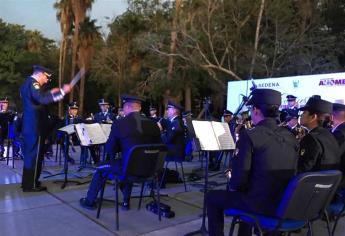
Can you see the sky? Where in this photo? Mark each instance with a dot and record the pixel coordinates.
(40, 14)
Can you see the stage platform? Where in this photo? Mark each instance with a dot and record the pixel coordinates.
(57, 211)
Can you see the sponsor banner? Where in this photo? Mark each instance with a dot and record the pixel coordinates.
(330, 87)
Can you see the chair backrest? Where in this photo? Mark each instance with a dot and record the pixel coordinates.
(145, 160)
(308, 194)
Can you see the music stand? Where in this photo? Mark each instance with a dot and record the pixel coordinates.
(65, 181)
(221, 140)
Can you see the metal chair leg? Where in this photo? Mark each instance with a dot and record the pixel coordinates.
(101, 197)
(328, 224)
(158, 200)
(232, 228)
(141, 195)
(164, 172)
(184, 181)
(310, 229)
(117, 203)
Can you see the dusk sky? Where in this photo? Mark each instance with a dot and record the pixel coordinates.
(40, 14)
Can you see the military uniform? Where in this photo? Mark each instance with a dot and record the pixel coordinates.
(127, 132)
(34, 129)
(173, 137)
(318, 149)
(104, 116)
(265, 161)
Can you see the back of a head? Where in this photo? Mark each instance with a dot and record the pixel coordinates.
(267, 100)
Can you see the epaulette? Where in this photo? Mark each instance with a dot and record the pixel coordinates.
(36, 85)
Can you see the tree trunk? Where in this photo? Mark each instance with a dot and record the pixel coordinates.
(257, 35)
(188, 98)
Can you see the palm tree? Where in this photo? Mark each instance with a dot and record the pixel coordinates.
(64, 15)
(87, 34)
(79, 9)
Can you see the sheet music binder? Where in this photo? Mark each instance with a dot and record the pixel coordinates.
(213, 136)
(91, 134)
(69, 129)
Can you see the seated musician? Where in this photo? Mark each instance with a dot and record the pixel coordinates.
(263, 164)
(105, 115)
(6, 118)
(126, 132)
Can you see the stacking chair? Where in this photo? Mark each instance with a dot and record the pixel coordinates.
(175, 160)
(336, 209)
(304, 201)
(144, 163)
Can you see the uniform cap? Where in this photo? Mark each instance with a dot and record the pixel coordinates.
(102, 102)
(227, 113)
(316, 104)
(153, 108)
(265, 96)
(291, 98)
(4, 100)
(73, 105)
(338, 107)
(175, 105)
(131, 99)
(46, 71)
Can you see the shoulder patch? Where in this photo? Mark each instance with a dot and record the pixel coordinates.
(36, 85)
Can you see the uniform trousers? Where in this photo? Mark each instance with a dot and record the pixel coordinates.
(219, 200)
(102, 172)
(33, 151)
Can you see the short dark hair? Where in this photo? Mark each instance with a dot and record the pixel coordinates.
(271, 111)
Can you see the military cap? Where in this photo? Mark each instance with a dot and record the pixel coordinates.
(291, 98)
(4, 100)
(292, 113)
(153, 108)
(102, 102)
(175, 105)
(338, 107)
(265, 96)
(227, 113)
(73, 105)
(316, 104)
(46, 71)
(132, 99)
(186, 114)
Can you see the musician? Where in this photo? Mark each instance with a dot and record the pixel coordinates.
(120, 113)
(291, 123)
(264, 162)
(153, 114)
(34, 132)
(72, 118)
(173, 137)
(105, 115)
(291, 107)
(318, 148)
(127, 132)
(4, 119)
(338, 131)
(187, 119)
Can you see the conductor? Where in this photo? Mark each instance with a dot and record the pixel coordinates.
(35, 119)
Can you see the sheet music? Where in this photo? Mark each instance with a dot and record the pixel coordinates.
(204, 132)
(90, 134)
(223, 134)
(106, 129)
(69, 129)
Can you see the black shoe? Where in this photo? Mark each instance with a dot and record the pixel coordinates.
(85, 204)
(125, 206)
(37, 189)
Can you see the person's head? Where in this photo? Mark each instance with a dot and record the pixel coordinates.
(131, 104)
(173, 109)
(3, 104)
(153, 111)
(103, 105)
(73, 109)
(291, 100)
(315, 112)
(264, 103)
(338, 113)
(42, 74)
(227, 116)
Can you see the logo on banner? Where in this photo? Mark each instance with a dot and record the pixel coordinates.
(332, 82)
(268, 85)
(295, 83)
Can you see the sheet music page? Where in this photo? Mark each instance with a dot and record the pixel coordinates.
(69, 129)
(83, 134)
(204, 132)
(95, 133)
(223, 134)
(106, 129)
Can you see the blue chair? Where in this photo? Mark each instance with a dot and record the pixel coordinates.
(336, 209)
(304, 201)
(144, 163)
